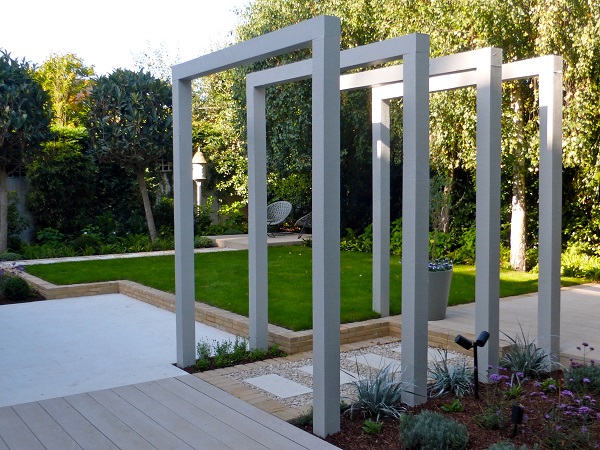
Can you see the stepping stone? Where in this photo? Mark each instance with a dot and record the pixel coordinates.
(279, 386)
(433, 354)
(345, 376)
(376, 361)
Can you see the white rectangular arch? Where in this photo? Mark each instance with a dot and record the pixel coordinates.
(414, 49)
(458, 71)
(323, 34)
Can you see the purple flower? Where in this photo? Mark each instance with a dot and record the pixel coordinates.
(567, 393)
(584, 410)
(495, 377)
(586, 380)
(519, 374)
(583, 429)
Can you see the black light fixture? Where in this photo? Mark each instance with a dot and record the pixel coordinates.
(516, 418)
(468, 345)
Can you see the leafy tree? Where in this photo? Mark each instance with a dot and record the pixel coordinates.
(62, 181)
(129, 121)
(67, 79)
(24, 119)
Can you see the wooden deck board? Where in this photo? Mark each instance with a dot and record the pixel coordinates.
(111, 426)
(50, 434)
(131, 416)
(295, 434)
(170, 420)
(78, 427)
(253, 434)
(15, 433)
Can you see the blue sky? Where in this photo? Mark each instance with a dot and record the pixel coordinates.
(108, 34)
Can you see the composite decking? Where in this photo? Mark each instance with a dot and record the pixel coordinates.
(174, 413)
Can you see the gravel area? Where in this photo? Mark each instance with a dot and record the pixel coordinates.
(292, 372)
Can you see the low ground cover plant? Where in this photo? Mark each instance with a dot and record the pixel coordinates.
(227, 353)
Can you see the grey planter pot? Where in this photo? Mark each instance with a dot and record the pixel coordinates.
(439, 291)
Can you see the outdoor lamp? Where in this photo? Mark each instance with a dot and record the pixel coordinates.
(467, 345)
(516, 418)
(199, 164)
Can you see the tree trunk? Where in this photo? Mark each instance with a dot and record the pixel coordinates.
(147, 206)
(518, 242)
(3, 209)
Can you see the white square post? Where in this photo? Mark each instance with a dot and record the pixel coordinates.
(257, 218)
(381, 204)
(550, 206)
(487, 220)
(184, 223)
(415, 224)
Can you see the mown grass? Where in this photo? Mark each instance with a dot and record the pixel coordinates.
(222, 281)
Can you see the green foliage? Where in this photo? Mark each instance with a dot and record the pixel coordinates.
(453, 377)
(303, 420)
(379, 394)
(15, 289)
(295, 188)
(583, 378)
(575, 262)
(203, 242)
(432, 431)
(24, 120)
(219, 354)
(10, 256)
(50, 236)
(65, 77)
(465, 248)
(358, 243)
(372, 426)
(63, 180)
(129, 122)
(455, 406)
(524, 356)
(164, 213)
(16, 222)
(202, 216)
(493, 417)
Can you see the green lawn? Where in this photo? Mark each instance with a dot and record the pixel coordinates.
(222, 281)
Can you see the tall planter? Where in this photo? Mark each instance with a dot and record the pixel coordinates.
(439, 291)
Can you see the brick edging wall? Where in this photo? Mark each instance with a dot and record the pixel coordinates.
(289, 341)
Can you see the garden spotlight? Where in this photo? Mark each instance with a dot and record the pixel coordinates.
(467, 345)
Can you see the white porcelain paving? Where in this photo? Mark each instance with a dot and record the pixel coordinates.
(55, 348)
(279, 386)
(345, 376)
(375, 361)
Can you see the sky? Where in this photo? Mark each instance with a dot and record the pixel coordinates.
(108, 34)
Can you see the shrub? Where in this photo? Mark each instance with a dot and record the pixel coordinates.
(372, 426)
(432, 431)
(379, 394)
(454, 377)
(229, 353)
(10, 256)
(203, 242)
(583, 378)
(525, 357)
(84, 241)
(15, 289)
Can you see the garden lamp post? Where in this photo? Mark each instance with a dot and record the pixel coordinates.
(467, 345)
(199, 164)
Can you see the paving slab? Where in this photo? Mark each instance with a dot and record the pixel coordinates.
(346, 377)
(279, 386)
(55, 348)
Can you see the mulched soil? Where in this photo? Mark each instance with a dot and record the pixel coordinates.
(535, 429)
